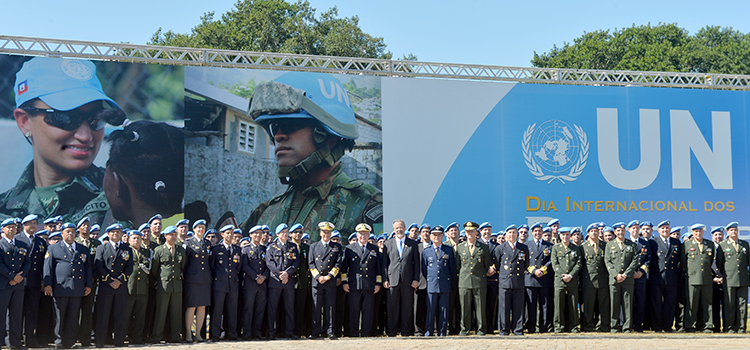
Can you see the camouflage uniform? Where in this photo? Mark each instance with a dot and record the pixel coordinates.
(83, 196)
(339, 200)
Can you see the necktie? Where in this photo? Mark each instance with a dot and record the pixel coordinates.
(471, 249)
(400, 247)
(72, 251)
(539, 245)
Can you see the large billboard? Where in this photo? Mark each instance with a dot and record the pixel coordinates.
(521, 153)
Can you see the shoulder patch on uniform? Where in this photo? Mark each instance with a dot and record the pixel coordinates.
(375, 213)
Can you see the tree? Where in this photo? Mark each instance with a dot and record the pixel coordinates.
(279, 26)
(665, 47)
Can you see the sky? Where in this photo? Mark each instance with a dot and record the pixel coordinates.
(500, 33)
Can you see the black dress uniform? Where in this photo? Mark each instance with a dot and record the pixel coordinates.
(253, 267)
(87, 302)
(639, 292)
(14, 259)
(32, 299)
(225, 267)
(68, 270)
(664, 280)
(197, 274)
(510, 261)
(420, 296)
(361, 270)
(302, 294)
(138, 288)
(324, 260)
(112, 263)
(539, 289)
(492, 289)
(401, 265)
(281, 257)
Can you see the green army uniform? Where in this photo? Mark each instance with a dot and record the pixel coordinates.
(338, 199)
(81, 197)
(87, 302)
(698, 260)
(595, 288)
(621, 260)
(566, 260)
(733, 262)
(167, 269)
(138, 286)
(472, 267)
(303, 294)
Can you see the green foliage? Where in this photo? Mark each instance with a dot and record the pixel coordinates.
(664, 47)
(361, 92)
(244, 90)
(279, 26)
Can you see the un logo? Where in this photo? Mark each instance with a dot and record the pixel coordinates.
(555, 151)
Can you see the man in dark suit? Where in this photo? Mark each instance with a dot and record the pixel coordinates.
(14, 264)
(324, 263)
(282, 259)
(67, 278)
(254, 286)
(420, 295)
(303, 287)
(225, 266)
(490, 310)
(361, 277)
(401, 279)
(33, 288)
(539, 282)
(112, 267)
(664, 277)
(511, 260)
(640, 277)
(438, 267)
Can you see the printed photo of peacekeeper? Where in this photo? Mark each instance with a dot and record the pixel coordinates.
(64, 108)
(315, 150)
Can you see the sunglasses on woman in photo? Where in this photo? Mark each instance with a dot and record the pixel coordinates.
(71, 120)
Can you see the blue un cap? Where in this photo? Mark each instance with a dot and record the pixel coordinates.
(633, 223)
(280, 228)
(733, 224)
(296, 227)
(647, 223)
(82, 221)
(168, 230)
(28, 218)
(155, 217)
(64, 226)
(255, 228)
(113, 227)
(698, 227)
(182, 222)
(8, 222)
(665, 222)
(226, 227)
(199, 222)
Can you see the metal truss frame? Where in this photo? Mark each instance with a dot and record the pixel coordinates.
(345, 65)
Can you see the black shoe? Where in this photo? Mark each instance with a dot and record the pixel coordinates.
(313, 337)
(332, 337)
(18, 347)
(294, 337)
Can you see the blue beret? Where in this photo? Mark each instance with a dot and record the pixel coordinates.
(523, 226)
(493, 234)
(281, 227)
(199, 222)
(676, 229)
(575, 229)
(155, 217)
(85, 219)
(608, 229)
(41, 233)
(510, 227)
(553, 221)
(182, 222)
(144, 226)
(264, 227)
(236, 231)
(28, 218)
(665, 222)
(372, 236)
(135, 233)
(412, 225)
(64, 226)
(452, 224)
(335, 234)
(51, 220)
(546, 229)
(353, 235)
(647, 223)
(733, 224)
(686, 235)
(633, 222)
(58, 218)
(381, 237)
(55, 234)
(305, 236)
(485, 224)
(698, 227)
(601, 224)
(592, 226)
(190, 234)
(113, 227)
(8, 221)
(168, 230)
(390, 235)
(94, 228)
(535, 225)
(211, 231)
(424, 226)
(618, 225)
(462, 234)
(17, 220)
(226, 227)
(245, 239)
(103, 238)
(717, 229)
(255, 228)
(563, 229)
(295, 227)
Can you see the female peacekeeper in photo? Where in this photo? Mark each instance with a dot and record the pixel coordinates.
(61, 110)
(144, 174)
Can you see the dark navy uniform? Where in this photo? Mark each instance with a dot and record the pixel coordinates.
(492, 289)
(281, 257)
(420, 295)
(639, 293)
(112, 263)
(511, 263)
(68, 272)
(197, 274)
(361, 270)
(324, 260)
(225, 267)
(32, 299)
(539, 289)
(302, 293)
(253, 267)
(664, 280)
(14, 258)
(438, 268)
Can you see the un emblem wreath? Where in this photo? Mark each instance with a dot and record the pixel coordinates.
(537, 170)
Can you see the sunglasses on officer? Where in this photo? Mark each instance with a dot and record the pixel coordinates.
(288, 126)
(96, 118)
